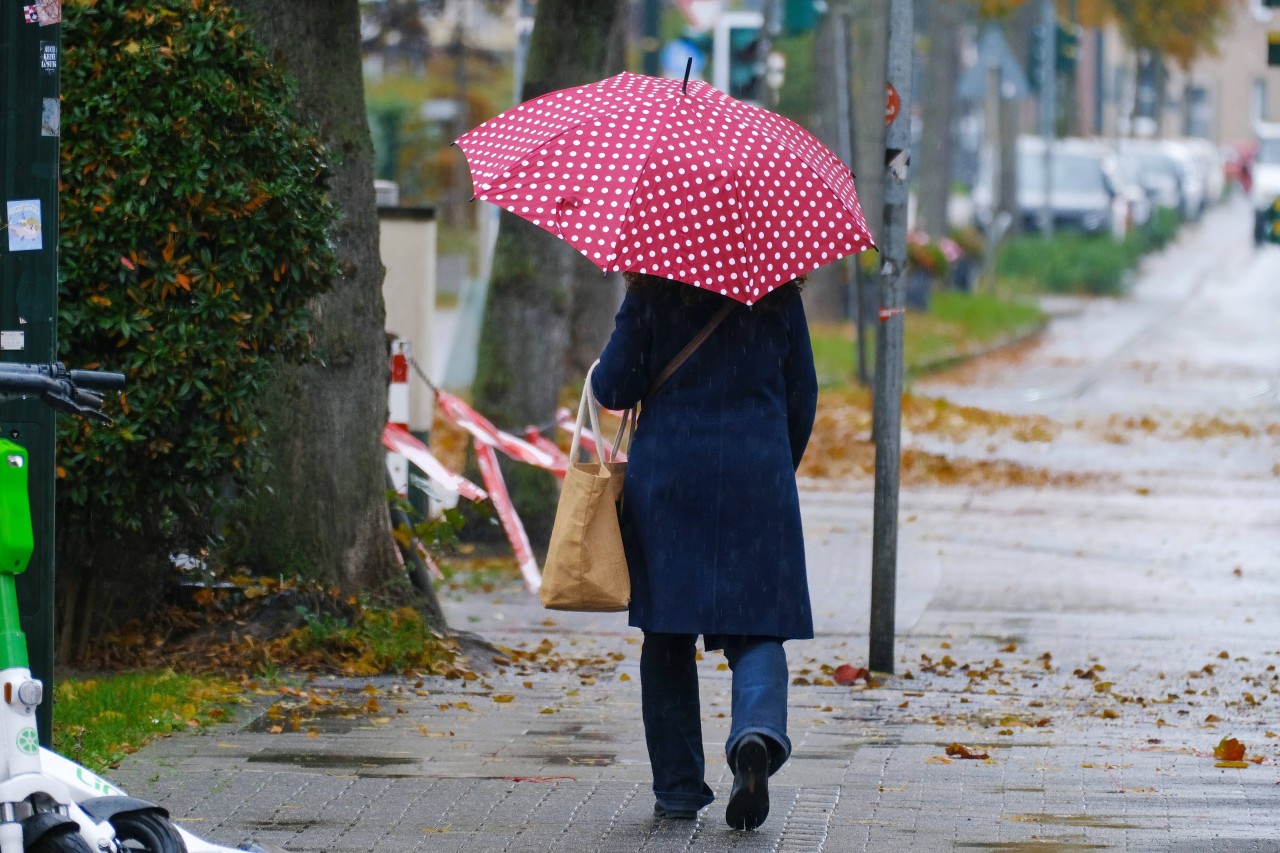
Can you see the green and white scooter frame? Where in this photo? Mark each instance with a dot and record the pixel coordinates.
(26, 769)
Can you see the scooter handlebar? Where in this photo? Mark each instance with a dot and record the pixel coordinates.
(97, 380)
(59, 388)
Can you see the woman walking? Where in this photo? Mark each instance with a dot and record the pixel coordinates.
(711, 522)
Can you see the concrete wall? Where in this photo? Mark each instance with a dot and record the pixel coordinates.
(1236, 83)
(1239, 72)
(408, 248)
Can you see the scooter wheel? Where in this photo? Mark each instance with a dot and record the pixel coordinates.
(61, 839)
(147, 832)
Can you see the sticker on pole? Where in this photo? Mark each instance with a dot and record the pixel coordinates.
(45, 13)
(24, 226)
(892, 104)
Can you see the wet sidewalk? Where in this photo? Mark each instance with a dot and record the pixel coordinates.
(1089, 671)
(1068, 658)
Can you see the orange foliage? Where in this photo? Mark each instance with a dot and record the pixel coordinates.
(1178, 29)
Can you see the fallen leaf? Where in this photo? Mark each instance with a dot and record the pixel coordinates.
(503, 698)
(1229, 749)
(957, 750)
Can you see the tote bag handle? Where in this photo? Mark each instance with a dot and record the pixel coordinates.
(588, 404)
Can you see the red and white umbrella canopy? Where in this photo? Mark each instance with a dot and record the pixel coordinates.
(638, 174)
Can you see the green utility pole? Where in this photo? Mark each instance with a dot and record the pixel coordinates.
(30, 59)
(887, 407)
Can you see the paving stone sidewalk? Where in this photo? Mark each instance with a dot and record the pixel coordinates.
(1090, 673)
(1095, 641)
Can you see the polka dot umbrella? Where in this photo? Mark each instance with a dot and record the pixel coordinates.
(672, 179)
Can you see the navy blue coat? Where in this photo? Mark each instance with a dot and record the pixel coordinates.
(710, 510)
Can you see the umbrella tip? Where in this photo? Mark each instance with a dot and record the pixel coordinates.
(688, 66)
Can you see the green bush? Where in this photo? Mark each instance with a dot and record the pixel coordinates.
(194, 220)
(1069, 263)
(1159, 231)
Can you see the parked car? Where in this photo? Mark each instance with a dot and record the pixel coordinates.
(1265, 179)
(1141, 200)
(1167, 158)
(1191, 178)
(1086, 187)
(1154, 171)
(1212, 167)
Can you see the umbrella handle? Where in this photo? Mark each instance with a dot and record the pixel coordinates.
(688, 66)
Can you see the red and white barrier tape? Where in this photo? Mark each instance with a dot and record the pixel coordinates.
(534, 436)
(488, 461)
(399, 440)
(486, 433)
(566, 422)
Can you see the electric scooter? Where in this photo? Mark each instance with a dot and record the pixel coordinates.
(49, 804)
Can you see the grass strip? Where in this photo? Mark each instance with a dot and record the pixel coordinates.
(100, 720)
(956, 325)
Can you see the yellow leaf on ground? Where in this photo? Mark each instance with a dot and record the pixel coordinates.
(1229, 749)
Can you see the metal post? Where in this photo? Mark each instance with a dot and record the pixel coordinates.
(651, 46)
(844, 144)
(888, 388)
(30, 57)
(1048, 105)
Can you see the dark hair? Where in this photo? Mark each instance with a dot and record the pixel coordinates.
(665, 288)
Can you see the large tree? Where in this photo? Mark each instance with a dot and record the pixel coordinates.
(942, 69)
(1180, 30)
(325, 513)
(525, 335)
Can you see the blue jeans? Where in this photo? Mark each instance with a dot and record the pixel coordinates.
(673, 716)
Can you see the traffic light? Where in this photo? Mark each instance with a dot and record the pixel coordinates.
(1035, 57)
(738, 65)
(746, 68)
(1067, 49)
(801, 16)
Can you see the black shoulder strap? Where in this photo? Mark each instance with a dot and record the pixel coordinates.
(689, 348)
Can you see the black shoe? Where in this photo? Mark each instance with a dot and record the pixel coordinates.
(749, 799)
(660, 811)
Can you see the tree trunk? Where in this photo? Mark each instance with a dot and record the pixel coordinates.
(324, 514)
(832, 123)
(596, 297)
(942, 69)
(870, 39)
(525, 333)
(1017, 29)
